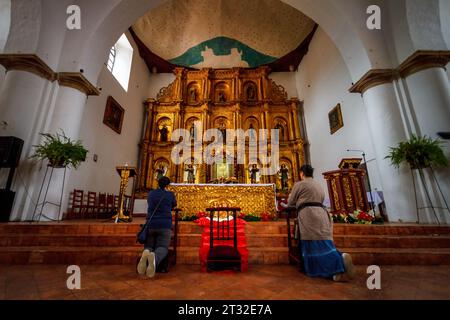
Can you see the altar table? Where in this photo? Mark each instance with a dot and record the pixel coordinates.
(251, 198)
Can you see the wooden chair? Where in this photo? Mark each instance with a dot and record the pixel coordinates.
(91, 204)
(77, 204)
(116, 202)
(110, 204)
(294, 252)
(101, 205)
(223, 251)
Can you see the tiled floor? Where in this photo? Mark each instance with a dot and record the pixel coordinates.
(187, 282)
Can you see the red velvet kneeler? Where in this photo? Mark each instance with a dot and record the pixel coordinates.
(241, 241)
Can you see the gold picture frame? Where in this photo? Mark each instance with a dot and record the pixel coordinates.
(114, 114)
(335, 119)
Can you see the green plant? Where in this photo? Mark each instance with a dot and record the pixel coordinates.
(60, 150)
(418, 152)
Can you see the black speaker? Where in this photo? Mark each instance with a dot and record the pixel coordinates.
(10, 151)
(6, 204)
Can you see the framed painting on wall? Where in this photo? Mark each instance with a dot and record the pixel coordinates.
(114, 114)
(335, 118)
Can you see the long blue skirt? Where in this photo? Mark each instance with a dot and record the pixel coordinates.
(321, 258)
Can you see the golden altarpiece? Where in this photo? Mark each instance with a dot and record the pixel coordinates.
(235, 98)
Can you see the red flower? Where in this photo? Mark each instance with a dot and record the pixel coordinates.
(201, 214)
(265, 216)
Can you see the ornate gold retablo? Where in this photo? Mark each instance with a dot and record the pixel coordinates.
(194, 198)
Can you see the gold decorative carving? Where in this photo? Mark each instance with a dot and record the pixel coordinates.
(239, 108)
(359, 194)
(346, 188)
(167, 94)
(348, 192)
(276, 92)
(335, 194)
(76, 80)
(192, 199)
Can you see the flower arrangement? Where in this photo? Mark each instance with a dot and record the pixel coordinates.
(356, 217)
(194, 216)
(249, 217)
(362, 217)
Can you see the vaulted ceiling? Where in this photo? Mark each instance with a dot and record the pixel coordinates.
(223, 34)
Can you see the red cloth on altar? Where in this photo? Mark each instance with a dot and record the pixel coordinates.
(241, 240)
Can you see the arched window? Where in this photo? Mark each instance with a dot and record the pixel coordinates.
(111, 59)
(119, 61)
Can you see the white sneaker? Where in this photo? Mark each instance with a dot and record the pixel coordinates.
(337, 277)
(142, 265)
(349, 267)
(151, 268)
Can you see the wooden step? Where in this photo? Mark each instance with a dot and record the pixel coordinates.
(274, 227)
(194, 240)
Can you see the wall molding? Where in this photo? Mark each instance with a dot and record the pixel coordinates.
(372, 78)
(418, 61)
(29, 63)
(421, 60)
(33, 64)
(77, 81)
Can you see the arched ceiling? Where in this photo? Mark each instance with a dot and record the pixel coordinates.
(223, 33)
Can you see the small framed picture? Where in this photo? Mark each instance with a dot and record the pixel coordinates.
(335, 118)
(114, 114)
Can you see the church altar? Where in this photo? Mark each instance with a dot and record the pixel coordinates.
(254, 198)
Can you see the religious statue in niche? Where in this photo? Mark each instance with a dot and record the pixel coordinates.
(193, 95)
(251, 94)
(222, 96)
(223, 131)
(190, 173)
(164, 133)
(252, 132)
(160, 172)
(253, 173)
(283, 172)
(192, 131)
(280, 127)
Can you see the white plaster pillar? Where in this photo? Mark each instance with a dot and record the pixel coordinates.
(387, 130)
(69, 107)
(25, 108)
(429, 93)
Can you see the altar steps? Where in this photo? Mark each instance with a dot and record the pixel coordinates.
(96, 242)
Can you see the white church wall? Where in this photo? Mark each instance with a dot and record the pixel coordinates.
(112, 149)
(5, 22)
(322, 82)
(2, 77)
(444, 6)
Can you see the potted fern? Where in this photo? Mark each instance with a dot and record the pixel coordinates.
(420, 152)
(60, 151)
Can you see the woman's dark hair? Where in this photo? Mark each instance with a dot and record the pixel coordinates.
(163, 182)
(307, 170)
